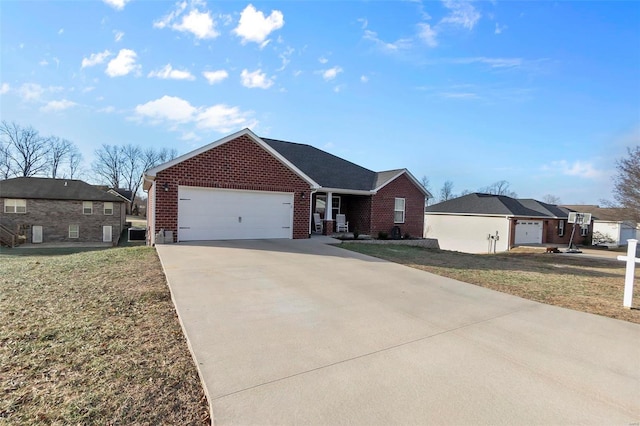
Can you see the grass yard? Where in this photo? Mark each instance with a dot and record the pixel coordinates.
(574, 282)
(93, 338)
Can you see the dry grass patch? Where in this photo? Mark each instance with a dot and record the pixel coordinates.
(571, 281)
(93, 338)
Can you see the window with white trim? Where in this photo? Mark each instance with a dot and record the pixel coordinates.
(561, 228)
(74, 231)
(398, 210)
(15, 206)
(108, 208)
(87, 207)
(584, 231)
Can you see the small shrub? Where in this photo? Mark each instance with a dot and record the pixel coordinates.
(382, 235)
(407, 236)
(356, 234)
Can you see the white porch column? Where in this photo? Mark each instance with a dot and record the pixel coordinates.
(328, 209)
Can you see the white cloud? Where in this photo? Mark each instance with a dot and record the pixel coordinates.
(364, 79)
(117, 35)
(176, 111)
(331, 73)
(123, 64)
(60, 31)
(107, 110)
(577, 168)
(117, 4)
(323, 60)
(364, 22)
(197, 22)
(168, 73)
(254, 26)
(499, 28)
(31, 91)
(255, 79)
(427, 34)
(399, 44)
(285, 57)
(492, 62)
(95, 59)
(4, 88)
(214, 77)
(462, 13)
(43, 63)
(55, 106)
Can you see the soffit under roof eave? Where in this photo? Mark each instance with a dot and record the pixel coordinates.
(345, 191)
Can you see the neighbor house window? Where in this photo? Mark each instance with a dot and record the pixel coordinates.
(87, 207)
(398, 211)
(561, 228)
(74, 231)
(15, 206)
(584, 231)
(108, 208)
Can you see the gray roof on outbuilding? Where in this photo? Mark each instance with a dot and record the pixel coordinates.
(490, 204)
(53, 189)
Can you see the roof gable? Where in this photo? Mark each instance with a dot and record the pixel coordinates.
(53, 189)
(150, 174)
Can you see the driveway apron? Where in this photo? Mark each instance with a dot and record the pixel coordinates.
(300, 332)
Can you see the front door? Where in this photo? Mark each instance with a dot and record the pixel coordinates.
(36, 234)
(107, 234)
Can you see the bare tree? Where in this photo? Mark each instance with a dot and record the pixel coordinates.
(446, 192)
(425, 184)
(27, 150)
(109, 164)
(626, 191)
(551, 199)
(5, 161)
(74, 163)
(500, 187)
(59, 151)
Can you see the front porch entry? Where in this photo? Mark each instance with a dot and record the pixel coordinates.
(355, 207)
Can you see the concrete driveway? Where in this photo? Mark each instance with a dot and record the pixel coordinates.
(299, 332)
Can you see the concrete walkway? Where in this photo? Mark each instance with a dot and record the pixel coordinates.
(300, 332)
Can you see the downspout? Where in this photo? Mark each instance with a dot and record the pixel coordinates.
(510, 219)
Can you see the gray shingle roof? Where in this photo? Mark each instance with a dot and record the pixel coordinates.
(489, 204)
(326, 169)
(53, 189)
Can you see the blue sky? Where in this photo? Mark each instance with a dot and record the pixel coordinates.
(545, 95)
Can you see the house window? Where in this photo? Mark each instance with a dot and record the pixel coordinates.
(74, 231)
(561, 228)
(108, 208)
(398, 211)
(321, 203)
(584, 231)
(15, 206)
(87, 207)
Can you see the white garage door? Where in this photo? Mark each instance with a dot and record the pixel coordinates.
(529, 232)
(219, 214)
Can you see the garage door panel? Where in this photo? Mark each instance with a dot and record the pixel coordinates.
(216, 214)
(528, 232)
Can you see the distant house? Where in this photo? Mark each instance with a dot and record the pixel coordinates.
(42, 210)
(612, 227)
(247, 187)
(123, 193)
(481, 223)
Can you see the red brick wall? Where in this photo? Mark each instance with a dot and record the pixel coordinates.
(357, 209)
(237, 164)
(382, 206)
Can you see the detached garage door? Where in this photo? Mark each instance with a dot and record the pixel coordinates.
(529, 232)
(219, 214)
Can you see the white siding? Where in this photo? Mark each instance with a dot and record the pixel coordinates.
(467, 233)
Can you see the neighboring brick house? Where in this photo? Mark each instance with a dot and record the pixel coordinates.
(44, 210)
(246, 187)
(481, 223)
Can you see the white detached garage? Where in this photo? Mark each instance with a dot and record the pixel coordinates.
(225, 214)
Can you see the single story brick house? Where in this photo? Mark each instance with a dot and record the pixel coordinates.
(44, 210)
(481, 223)
(246, 187)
